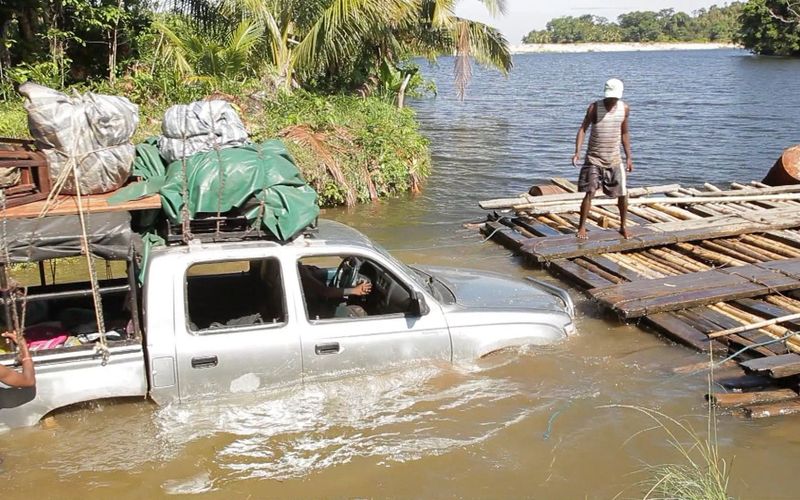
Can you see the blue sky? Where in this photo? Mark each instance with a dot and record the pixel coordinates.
(524, 15)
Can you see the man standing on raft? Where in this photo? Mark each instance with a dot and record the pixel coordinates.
(602, 166)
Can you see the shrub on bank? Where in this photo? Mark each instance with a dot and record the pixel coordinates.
(351, 149)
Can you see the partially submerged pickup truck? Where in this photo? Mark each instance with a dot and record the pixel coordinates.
(218, 317)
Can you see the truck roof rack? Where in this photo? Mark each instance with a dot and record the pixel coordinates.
(230, 226)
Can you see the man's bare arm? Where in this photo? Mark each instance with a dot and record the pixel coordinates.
(626, 140)
(587, 120)
(14, 378)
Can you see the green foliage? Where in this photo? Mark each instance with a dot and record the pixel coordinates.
(771, 27)
(266, 55)
(13, 120)
(359, 148)
(369, 139)
(718, 24)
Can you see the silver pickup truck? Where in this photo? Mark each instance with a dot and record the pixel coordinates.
(230, 317)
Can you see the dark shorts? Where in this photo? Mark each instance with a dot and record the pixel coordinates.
(611, 180)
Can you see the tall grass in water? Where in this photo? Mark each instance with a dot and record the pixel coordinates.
(701, 472)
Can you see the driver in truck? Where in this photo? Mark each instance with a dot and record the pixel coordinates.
(323, 300)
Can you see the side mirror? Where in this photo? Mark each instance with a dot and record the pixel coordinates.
(419, 307)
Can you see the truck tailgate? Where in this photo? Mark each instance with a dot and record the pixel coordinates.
(73, 375)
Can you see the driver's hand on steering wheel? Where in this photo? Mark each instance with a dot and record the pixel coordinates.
(363, 288)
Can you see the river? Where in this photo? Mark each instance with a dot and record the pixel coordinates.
(536, 424)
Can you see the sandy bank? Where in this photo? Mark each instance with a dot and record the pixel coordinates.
(614, 47)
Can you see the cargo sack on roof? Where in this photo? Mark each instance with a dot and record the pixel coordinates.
(199, 127)
(92, 130)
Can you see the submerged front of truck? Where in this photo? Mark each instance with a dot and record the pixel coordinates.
(488, 312)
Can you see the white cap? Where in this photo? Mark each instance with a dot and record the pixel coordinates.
(614, 88)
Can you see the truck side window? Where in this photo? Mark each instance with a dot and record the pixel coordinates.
(330, 288)
(234, 294)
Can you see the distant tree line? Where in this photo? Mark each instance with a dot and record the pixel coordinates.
(715, 24)
(769, 27)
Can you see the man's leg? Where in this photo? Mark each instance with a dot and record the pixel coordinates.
(586, 204)
(622, 203)
(589, 183)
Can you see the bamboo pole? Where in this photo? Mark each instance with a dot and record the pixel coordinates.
(675, 269)
(596, 270)
(710, 255)
(676, 212)
(574, 206)
(744, 250)
(656, 269)
(626, 260)
(775, 247)
(789, 303)
(500, 203)
(772, 330)
(754, 326)
(713, 245)
(687, 264)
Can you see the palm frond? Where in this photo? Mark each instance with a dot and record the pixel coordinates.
(489, 47)
(245, 37)
(495, 7)
(173, 50)
(319, 143)
(342, 28)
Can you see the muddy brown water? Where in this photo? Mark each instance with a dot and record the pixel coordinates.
(534, 423)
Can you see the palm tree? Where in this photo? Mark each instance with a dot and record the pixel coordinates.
(211, 59)
(303, 39)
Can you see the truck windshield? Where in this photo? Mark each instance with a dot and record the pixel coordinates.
(423, 279)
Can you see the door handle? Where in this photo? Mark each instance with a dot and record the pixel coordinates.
(324, 349)
(204, 362)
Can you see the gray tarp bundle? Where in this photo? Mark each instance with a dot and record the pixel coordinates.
(91, 129)
(31, 240)
(199, 127)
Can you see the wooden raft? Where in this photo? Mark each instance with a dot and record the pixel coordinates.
(692, 270)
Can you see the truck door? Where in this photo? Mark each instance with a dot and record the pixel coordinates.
(371, 331)
(233, 332)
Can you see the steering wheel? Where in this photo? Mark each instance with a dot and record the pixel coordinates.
(347, 273)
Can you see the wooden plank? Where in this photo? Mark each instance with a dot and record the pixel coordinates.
(745, 382)
(614, 268)
(675, 328)
(586, 264)
(739, 399)
(642, 297)
(537, 227)
(767, 310)
(577, 274)
(716, 320)
(68, 205)
(503, 235)
(783, 408)
(606, 241)
(785, 365)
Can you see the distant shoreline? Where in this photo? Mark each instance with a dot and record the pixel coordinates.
(538, 48)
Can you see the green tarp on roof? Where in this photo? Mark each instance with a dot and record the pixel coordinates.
(260, 179)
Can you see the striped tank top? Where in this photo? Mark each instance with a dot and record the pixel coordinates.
(606, 136)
